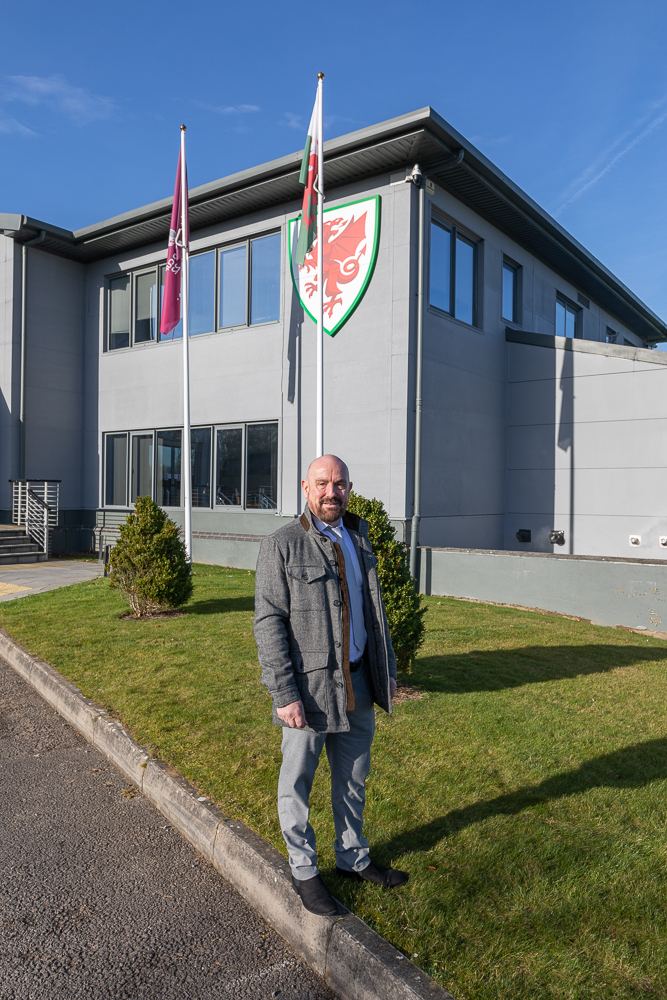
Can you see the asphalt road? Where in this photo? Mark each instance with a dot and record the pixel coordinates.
(100, 897)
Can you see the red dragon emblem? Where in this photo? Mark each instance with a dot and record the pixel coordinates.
(340, 261)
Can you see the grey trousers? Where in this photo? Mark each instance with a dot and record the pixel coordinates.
(350, 760)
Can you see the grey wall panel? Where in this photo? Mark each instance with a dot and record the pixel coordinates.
(607, 592)
(531, 446)
(532, 402)
(607, 472)
(480, 531)
(54, 372)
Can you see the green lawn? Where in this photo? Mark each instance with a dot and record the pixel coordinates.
(525, 791)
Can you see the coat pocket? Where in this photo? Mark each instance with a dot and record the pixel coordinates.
(307, 586)
(304, 662)
(313, 687)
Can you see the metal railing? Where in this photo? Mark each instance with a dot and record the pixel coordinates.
(35, 506)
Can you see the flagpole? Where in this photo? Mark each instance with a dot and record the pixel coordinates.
(319, 449)
(186, 476)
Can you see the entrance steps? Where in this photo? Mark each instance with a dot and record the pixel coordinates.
(16, 547)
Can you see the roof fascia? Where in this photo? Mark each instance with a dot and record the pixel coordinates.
(274, 168)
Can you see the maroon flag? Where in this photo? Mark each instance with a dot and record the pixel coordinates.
(171, 302)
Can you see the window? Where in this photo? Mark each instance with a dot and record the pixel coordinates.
(202, 294)
(262, 466)
(611, 336)
(568, 318)
(265, 279)
(233, 286)
(247, 471)
(115, 472)
(229, 491)
(510, 303)
(452, 272)
(145, 307)
(119, 312)
(169, 468)
(241, 460)
(141, 473)
(200, 452)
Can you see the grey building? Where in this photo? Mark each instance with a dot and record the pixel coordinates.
(544, 409)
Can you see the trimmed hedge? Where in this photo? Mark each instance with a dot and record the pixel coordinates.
(149, 562)
(403, 604)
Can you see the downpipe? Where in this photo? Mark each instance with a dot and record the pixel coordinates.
(416, 178)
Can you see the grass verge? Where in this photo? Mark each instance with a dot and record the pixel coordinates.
(524, 791)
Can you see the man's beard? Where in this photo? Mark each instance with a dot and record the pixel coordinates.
(329, 514)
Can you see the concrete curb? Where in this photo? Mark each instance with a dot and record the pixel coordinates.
(354, 961)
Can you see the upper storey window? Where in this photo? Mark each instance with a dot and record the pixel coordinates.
(119, 312)
(510, 311)
(568, 318)
(233, 286)
(453, 270)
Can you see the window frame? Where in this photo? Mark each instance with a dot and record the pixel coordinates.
(107, 435)
(213, 465)
(134, 276)
(510, 264)
(456, 232)
(141, 434)
(578, 315)
(218, 249)
(234, 426)
(218, 284)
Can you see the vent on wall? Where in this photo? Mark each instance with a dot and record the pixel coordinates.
(523, 535)
(583, 301)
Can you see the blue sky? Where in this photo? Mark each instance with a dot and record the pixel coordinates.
(568, 98)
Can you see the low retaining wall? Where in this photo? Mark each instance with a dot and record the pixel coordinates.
(606, 590)
(223, 549)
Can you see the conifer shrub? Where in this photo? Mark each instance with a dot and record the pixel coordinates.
(149, 563)
(404, 606)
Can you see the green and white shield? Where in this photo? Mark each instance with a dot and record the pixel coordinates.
(351, 236)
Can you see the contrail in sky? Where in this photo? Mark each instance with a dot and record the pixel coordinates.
(651, 127)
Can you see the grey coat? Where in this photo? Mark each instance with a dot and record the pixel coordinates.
(302, 623)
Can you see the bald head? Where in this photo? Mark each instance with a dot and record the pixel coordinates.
(327, 488)
(328, 461)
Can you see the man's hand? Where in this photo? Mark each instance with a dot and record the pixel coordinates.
(293, 714)
(392, 688)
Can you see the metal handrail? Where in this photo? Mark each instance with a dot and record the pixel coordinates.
(35, 505)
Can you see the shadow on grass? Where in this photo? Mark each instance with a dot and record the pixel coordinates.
(495, 669)
(631, 767)
(221, 605)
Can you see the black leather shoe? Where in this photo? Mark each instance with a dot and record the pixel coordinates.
(315, 896)
(388, 878)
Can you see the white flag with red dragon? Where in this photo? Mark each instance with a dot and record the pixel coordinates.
(310, 179)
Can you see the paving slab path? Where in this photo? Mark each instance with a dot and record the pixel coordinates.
(100, 897)
(21, 580)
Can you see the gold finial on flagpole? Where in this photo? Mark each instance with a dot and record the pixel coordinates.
(320, 76)
(183, 128)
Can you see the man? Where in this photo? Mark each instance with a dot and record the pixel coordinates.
(326, 657)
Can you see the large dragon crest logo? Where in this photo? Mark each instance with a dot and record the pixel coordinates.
(351, 234)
